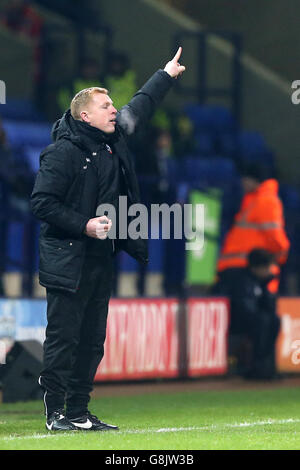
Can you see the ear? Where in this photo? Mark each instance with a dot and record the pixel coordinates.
(84, 116)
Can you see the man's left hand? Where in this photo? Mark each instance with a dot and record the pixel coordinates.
(174, 68)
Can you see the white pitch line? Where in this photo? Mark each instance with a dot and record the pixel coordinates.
(212, 427)
(215, 427)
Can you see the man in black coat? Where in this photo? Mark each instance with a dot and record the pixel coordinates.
(87, 165)
(253, 311)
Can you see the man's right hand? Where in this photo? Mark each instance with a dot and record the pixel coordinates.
(98, 227)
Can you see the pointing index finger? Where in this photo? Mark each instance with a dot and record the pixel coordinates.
(177, 55)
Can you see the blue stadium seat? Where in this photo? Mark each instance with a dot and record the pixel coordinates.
(195, 170)
(227, 144)
(210, 118)
(174, 170)
(23, 133)
(205, 143)
(222, 119)
(21, 109)
(156, 248)
(251, 144)
(15, 245)
(214, 171)
(222, 170)
(126, 263)
(199, 115)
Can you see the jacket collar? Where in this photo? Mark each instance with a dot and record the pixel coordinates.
(81, 133)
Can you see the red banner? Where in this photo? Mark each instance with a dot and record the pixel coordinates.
(288, 341)
(141, 340)
(207, 333)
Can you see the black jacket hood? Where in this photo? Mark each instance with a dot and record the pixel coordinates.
(61, 128)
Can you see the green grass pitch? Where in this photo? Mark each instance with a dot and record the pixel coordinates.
(251, 419)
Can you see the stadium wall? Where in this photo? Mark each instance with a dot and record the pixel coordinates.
(159, 338)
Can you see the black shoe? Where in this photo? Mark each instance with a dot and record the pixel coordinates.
(89, 422)
(58, 422)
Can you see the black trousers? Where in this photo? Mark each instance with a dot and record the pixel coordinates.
(75, 335)
(263, 330)
(260, 323)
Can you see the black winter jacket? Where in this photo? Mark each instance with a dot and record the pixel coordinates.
(249, 297)
(65, 193)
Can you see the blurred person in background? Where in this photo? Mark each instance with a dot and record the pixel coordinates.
(16, 181)
(184, 137)
(253, 312)
(22, 18)
(88, 164)
(16, 174)
(258, 224)
(120, 78)
(89, 76)
(152, 152)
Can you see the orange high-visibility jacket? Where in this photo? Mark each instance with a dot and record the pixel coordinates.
(258, 224)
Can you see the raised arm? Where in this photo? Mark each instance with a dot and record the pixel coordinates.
(142, 106)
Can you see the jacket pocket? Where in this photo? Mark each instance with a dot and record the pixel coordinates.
(61, 257)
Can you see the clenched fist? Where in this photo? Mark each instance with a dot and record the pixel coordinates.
(98, 227)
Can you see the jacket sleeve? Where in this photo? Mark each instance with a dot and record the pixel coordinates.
(142, 106)
(270, 216)
(51, 186)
